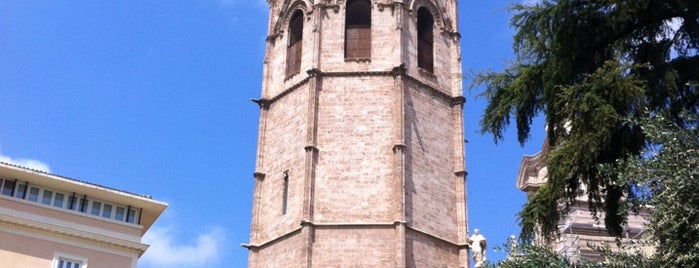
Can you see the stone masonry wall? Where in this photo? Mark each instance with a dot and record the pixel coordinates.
(430, 180)
(355, 159)
(354, 247)
(286, 125)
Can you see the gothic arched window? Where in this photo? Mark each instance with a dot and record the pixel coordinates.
(425, 39)
(358, 29)
(293, 51)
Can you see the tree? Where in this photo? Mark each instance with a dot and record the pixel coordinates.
(537, 256)
(588, 66)
(667, 178)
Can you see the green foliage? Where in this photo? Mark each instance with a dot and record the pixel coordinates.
(588, 66)
(533, 256)
(669, 171)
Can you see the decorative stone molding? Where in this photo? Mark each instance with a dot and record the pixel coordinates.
(398, 148)
(259, 176)
(255, 247)
(459, 100)
(263, 103)
(399, 70)
(394, 72)
(311, 148)
(42, 227)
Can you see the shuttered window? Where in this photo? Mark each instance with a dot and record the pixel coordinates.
(293, 51)
(425, 39)
(358, 29)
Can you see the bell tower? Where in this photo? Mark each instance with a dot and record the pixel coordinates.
(360, 159)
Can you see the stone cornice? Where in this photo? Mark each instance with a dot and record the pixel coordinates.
(394, 72)
(342, 225)
(271, 241)
(460, 246)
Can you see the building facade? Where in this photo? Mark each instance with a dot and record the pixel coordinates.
(52, 221)
(360, 158)
(578, 228)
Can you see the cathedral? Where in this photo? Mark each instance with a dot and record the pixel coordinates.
(360, 159)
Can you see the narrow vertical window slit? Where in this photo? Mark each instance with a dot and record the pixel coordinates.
(285, 194)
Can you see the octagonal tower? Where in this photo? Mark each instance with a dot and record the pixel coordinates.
(360, 158)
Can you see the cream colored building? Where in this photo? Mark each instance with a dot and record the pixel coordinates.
(56, 222)
(578, 229)
(360, 159)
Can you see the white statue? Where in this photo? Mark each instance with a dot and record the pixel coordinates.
(512, 243)
(478, 246)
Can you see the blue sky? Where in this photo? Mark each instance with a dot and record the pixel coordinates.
(153, 97)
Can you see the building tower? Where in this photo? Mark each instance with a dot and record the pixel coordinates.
(360, 158)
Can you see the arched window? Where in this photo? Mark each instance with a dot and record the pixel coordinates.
(358, 29)
(425, 39)
(293, 51)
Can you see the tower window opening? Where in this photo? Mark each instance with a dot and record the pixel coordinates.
(358, 29)
(285, 194)
(293, 51)
(425, 39)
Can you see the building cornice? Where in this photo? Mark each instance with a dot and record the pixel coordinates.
(344, 225)
(400, 70)
(57, 230)
(151, 209)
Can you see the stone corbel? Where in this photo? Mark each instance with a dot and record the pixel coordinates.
(259, 176)
(384, 4)
(262, 102)
(398, 70)
(273, 37)
(314, 72)
(461, 173)
(458, 101)
(311, 148)
(334, 7)
(398, 148)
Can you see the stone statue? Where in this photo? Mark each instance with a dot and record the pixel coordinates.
(512, 244)
(478, 246)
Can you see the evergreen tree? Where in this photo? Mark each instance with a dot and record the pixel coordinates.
(588, 65)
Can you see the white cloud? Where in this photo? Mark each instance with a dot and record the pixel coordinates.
(166, 251)
(25, 162)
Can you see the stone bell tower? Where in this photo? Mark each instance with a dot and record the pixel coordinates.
(360, 158)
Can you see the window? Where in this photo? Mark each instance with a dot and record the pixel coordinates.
(64, 260)
(358, 29)
(96, 207)
(58, 200)
(294, 51)
(72, 201)
(7, 187)
(63, 263)
(425, 39)
(48, 195)
(21, 191)
(131, 215)
(107, 211)
(119, 215)
(34, 194)
(285, 194)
